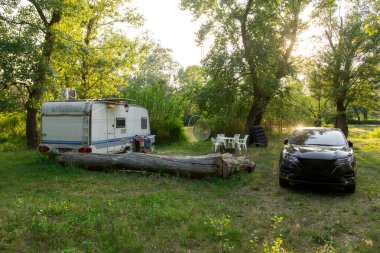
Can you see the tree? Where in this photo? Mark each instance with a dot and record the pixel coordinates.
(372, 20)
(157, 65)
(349, 62)
(191, 80)
(28, 37)
(253, 41)
(154, 86)
(164, 106)
(318, 100)
(298, 101)
(98, 57)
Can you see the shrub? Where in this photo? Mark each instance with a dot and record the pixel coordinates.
(219, 124)
(12, 131)
(168, 132)
(364, 122)
(165, 110)
(375, 133)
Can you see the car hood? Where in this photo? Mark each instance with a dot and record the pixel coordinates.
(318, 152)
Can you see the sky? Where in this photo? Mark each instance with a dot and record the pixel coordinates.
(172, 27)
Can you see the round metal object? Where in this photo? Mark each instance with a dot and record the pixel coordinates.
(201, 130)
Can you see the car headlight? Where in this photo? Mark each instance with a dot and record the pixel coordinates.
(343, 161)
(289, 158)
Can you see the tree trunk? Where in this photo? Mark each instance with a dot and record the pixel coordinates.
(365, 113)
(36, 90)
(341, 117)
(191, 166)
(318, 117)
(31, 128)
(357, 112)
(256, 113)
(85, 86)
(260, 114)
(318, 122)
(258, 118)
(250, 118)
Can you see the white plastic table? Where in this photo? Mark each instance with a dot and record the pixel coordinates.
(224, 140)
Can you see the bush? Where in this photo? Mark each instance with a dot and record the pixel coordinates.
(219, 124)
(364, 122)
(164, 107)
(12, 134)
(375, 133)
(168, 132)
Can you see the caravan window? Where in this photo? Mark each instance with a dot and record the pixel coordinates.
(120, 122)
(144, 123)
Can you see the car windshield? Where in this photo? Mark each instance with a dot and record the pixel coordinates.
(318, 137)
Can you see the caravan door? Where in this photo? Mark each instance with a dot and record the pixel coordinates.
(110, 128)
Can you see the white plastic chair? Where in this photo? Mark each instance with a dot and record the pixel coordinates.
(234, 141)
(242, 143)
(221, 140)
(215, 145)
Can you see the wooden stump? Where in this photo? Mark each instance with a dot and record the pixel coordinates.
(216, 165)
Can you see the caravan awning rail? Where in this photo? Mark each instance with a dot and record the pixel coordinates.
(106, 100)
(64, 113)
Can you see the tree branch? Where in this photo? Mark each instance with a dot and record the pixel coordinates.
(329, 37)
(40, 12)
(293, 35)
(235, 79)
(21, 92)
(111, 22)
(14, 22)
(244, 35)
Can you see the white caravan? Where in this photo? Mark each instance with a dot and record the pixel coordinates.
(92, 126)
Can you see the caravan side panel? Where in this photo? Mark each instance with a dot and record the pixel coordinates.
(109, 128)
(99, 128)
(138, 121)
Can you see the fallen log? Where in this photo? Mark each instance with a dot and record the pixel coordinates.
(216, 165)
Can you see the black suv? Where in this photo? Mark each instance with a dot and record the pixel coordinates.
(318, 155)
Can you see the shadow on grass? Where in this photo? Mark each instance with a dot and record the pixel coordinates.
(318, 190)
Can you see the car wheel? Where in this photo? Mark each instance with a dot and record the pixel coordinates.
(350, 189)
(283, 183)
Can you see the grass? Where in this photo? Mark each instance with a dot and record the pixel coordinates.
(48, 208)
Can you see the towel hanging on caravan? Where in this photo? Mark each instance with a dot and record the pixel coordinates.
(92, 126)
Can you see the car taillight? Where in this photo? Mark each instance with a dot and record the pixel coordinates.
(85, 150)
(43, 149)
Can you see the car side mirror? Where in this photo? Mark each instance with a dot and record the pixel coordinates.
(286, 141)
(350, 144)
